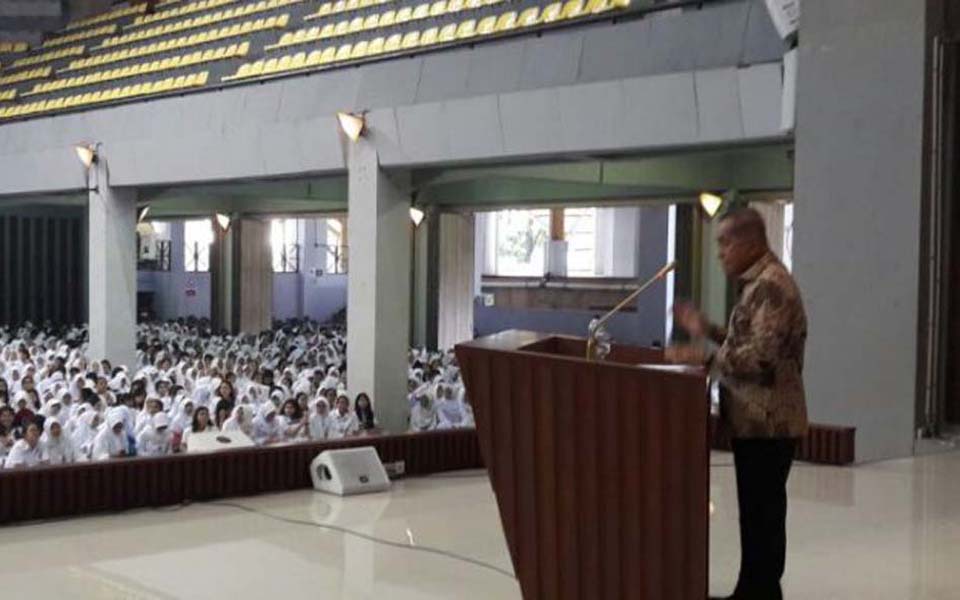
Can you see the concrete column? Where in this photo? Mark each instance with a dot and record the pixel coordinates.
(456, 279)
(858, 203)
(378, 297)
(242, 286)
(112, 268)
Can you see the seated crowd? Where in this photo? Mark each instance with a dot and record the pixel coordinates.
(281, 386)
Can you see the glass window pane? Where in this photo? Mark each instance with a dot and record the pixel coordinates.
(580, 232)
(521, 242)
(197, 237)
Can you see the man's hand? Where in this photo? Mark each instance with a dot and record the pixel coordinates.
(690, 319)
(685, 355)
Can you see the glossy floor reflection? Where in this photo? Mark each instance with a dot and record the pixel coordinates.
(886, 530)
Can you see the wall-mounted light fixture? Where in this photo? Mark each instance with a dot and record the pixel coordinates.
(353, 125)
(710, 203)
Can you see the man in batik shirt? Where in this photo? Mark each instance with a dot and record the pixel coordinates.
(758, 360)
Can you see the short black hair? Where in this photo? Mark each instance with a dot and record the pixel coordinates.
(747, 223)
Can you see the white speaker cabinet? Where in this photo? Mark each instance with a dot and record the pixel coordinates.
(349, 471)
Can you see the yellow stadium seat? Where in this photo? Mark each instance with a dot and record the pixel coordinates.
(448, 33)
(343, 53)
(467, 29)
(388, 18)
(620, 3)
(404, 14)
(455, 6)
(259, 24)
(246, 27)
(393, 43)
(328, 55)
(506, 22)
(284, 63)
(359, 50)
(325, 9)
(243, 49)
(487, 25)
(270, 66)
(313, 34)
(208, 55)
(223, 51)
(299, 37)
(352, 5)
(257, 69)
(375, 47)
(422, 11)
(327, 31)
(243, 72)
(474, 4)
(313, 59)
(285, 40)
(339, 6)
(438, 8)
(356, 25)
(598, 6)
(572, 9)
(551, 13)
(410, 40)
(342, 28)
(371, 22)
(299, 60)
(492, 2)
(429, 36)
(529, 17)
(367, 3)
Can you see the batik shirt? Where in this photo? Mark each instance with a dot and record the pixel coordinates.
(760, 359)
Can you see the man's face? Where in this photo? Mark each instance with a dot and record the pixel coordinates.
(32, 435)
(735, 252)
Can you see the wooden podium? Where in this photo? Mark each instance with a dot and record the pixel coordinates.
(601, 469)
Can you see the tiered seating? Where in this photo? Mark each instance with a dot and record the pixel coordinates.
(214, 35)
(52, 56)
(146, 68)
(411, 39)
(114, 15)
(171, 84)
(195, 23)
(126, 45)
(186, 9)
(13, 47)
(80, 36)
(21, 76)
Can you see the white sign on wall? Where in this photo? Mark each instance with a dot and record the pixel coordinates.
(785, 15)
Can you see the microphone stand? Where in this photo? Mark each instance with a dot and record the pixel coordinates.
(596, 327)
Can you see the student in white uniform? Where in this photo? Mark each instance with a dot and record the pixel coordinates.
(85, 433)
(56, 447)
(450, 411)
(343, 421)
(266, 426)
(423, 415)
(201, 423)
(239, 420)
(291, 420)
(111, 441)
(156, 439)
(26, 452)
(318, 427)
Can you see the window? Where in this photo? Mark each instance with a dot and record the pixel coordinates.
(197, 237)
(153, 246)
(285, 244)
(335, 262)
(517, 242)
(788, 235)
(580, 232)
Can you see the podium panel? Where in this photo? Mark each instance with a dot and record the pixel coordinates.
(600, 469)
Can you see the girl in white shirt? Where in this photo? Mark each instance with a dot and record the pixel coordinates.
(111, 441)
(343, 421)
(56, 447)
(156, 439)
(26, 452)
(318, 426)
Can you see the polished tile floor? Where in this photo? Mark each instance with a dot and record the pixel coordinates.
(886, 531)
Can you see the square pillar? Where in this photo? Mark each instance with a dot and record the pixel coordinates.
(112, 269)
(242, 277)
(378, 295)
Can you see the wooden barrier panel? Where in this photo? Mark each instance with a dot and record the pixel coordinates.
(116, 485)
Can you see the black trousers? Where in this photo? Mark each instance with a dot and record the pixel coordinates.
(763, 466)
